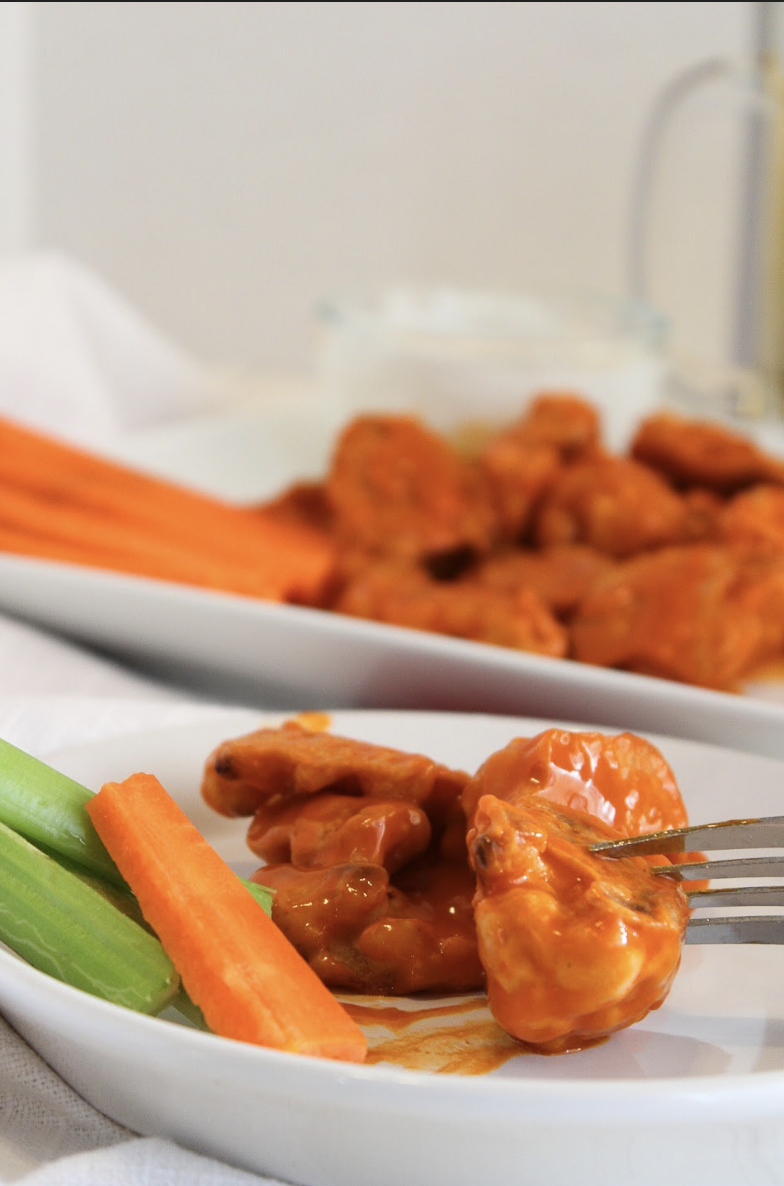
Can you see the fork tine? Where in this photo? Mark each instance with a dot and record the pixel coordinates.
(734, 867)
(755, 928)
(741, 895)
(765, 832)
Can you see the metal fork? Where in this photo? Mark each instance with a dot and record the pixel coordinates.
(764, 833)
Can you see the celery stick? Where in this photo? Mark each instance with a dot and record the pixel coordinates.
(183, 1005)
(63, 927)
(119, 896)
(123, 899)
(48, 808)
(262, 893)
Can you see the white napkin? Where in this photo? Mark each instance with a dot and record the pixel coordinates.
(77, 359)
(76, 1145)
(143, 1163)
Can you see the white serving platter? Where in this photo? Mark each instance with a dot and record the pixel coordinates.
(250, 652)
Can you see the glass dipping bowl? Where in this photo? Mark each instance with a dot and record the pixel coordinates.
(461, 358)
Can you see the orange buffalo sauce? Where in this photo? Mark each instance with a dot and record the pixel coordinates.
(459, 1038)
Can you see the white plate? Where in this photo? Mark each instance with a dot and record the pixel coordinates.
(695, 1093)
(275, 656)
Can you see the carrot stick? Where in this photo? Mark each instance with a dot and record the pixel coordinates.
(56, 490)
(235, 964)
(130, 563)
(145, 506)
(84, 536)
(73, 534)
(62, 474)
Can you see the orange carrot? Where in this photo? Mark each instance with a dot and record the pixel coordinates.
(52, 491)
(187, 570)
(236, 965)
(81, 536)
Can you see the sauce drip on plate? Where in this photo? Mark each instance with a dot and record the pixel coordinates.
(457, 1038)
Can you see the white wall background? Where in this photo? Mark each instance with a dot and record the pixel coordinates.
(225, 165)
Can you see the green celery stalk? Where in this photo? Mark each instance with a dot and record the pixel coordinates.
(119, 896)
(48, 808)
(262, 893)
(64, 927)
(183, 1005)
(123, 899)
